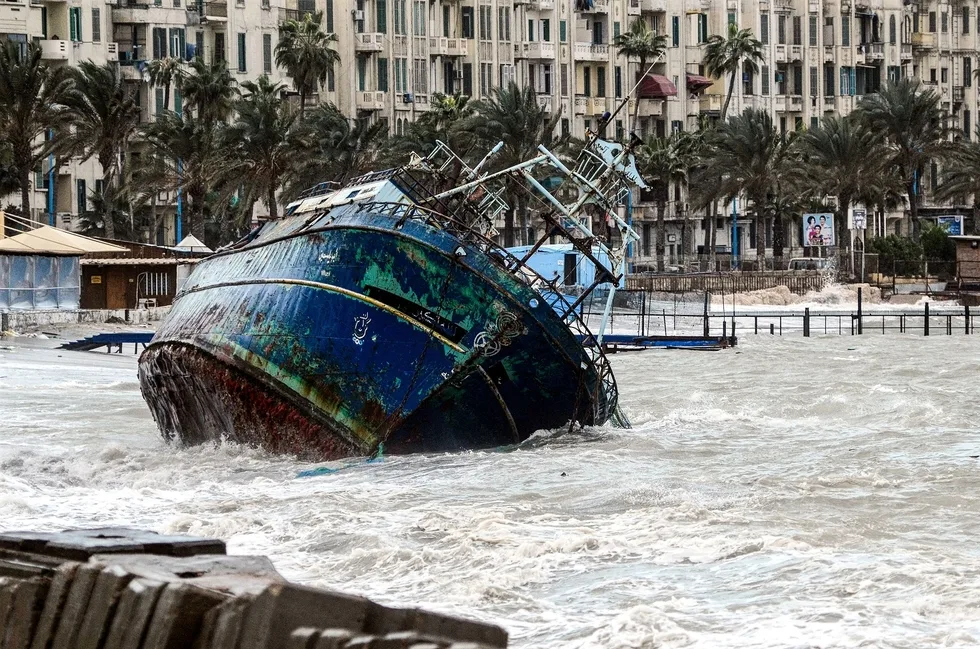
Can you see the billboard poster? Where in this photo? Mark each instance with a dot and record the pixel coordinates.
(818, 229)
(952, 224)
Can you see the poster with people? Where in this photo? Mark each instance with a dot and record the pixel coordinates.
(818, 229)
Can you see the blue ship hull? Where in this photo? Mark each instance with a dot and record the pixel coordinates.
(327, 336)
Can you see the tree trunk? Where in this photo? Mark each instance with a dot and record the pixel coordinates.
(913, 207)
(25, 193)
(197, 213)
(661, 236)
(166, 96)
(302, 104)
(728, 98)
(273, 206)
(685, 235)
(712, 235)
(777, 238)
(636, 104)
(154, 220)
(760, 238)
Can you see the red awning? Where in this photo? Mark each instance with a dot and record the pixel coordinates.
(656, 86)
(695, 82)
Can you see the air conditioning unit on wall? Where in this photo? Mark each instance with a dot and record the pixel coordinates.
(358, 14)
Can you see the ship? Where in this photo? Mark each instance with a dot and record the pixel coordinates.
(384, 315)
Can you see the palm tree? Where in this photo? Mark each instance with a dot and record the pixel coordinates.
(104, 117)
(440, 122)
(962, 179)
(751, 156)
(32, 99)
(304, 52)
(184, 153)
(725, 55)
(846, 160)
(211, 90)
(166, 72)
(512, 115)
(662, 162)
(914, 126)
(645, 44)
(331, 148)
(260, 138)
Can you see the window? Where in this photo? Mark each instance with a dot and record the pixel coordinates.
(267, 53)
(618, 81)
(814, 81)
(966, 20)
(945, 21)
(420, 17)
(676, 126)
(503, 24)
(764, 29)
(507, 75)
(944, 75)
(420, 78)
(329, 16)
(587, 82)
(219, 47)
(966, 124)
(486, 78)
(932, 21)
(530, 30)
(241, 52)
(96, 25)
(846, 81)
(892, 34)
(80, 192)
(967, 71)
(781, 30)
(382, 74)
(616, 29)
(600, 81)
(159, 42)
(702, 28)
(845, 31)
(75, 23)
(331, 80)
(798, 80)
(748, 83)
(562, 31)
(828, 31)
(156, 284)
(159, 101)
(485, 28)
(467, 22)
(675, 24)
(546, 30)
(813, 30)
(598, 37)
(361, 73)
(564, 79)
(765, 80)
(894, 73)
(932, 75)
(177, 45)
(546, 78)
(732, 18)
(564, 126)
(468, 79)
(445, 19)
(828, 81)
(381, 16)
(399, 64)
(797, 30)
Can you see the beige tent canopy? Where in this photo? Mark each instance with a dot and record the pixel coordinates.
(46, 240)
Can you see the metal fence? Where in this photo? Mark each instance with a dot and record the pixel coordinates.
(798, 282)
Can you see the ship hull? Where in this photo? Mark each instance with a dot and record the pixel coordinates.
(327, 339)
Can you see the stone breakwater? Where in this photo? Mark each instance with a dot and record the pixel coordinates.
(128, 589)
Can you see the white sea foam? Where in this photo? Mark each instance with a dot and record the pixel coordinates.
(791, 492)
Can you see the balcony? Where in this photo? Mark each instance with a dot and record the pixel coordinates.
(796, 103)
(829, 103)
(780, 103)
(828, 54)
(112, 51)
(796, 52)
(598, 7)
(542, 5)
(590, 52)
(597, 106)
(958, 94)
(544, 101)
(923, 40)
(212, 11)
(906, 52)
(581, 103)
(369, 42)
(633, 8)
(534, 50)
(653, 6)
(56, 50)
(780, 54)
(651, 107)
(370, 100)
(874, 51)
(711, 104)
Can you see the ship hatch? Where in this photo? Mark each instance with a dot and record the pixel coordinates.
(447, 328)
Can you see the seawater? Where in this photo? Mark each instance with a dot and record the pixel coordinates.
(792, 492)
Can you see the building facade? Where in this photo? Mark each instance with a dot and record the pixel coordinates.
(821, 57)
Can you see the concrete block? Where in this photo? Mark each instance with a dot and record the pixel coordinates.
(24, 541)
(397, 640)
(303, 638)
(386, 619)
(28, 600)
(54, 603)
(7, 585)
(79, 545)
(223, 624)
(333, 639)
(360, 642)
(102, 606)
(236, 575)
(75, 606)
(455, 628)
(283, 608)
(179, 615)
(133, 613)
(428, 645)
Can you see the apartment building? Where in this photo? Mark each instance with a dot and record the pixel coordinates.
(820, 59)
